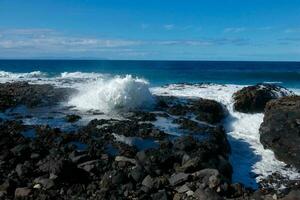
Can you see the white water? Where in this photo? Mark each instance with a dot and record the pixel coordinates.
(248, 155)
(106, 93)
(124, 93)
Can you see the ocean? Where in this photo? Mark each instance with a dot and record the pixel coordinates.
(106, 85)
(167, 72)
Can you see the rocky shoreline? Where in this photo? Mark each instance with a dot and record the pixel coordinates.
(128, 158)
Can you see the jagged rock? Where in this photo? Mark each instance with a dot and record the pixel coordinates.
(280, 130)
(22, 192)
(207, 194)
(125, 159)
(253, 99)
(178, 178)
(137, 173)
(148, 182)
(45, 182)
(161, 195)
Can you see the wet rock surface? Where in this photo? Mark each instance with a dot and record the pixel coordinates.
(280, 130)
(253, 99)
(22, 93)
(126, 158)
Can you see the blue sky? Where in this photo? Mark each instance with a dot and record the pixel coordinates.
(153, 29)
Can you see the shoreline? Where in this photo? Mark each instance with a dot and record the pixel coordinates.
(175, 115)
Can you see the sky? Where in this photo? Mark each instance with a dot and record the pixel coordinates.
(261, 30)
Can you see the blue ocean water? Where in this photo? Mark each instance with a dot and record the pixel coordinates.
(165, 72)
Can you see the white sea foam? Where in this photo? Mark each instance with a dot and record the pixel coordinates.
(248, 155)
(116, 93)
(10, 75)
(81, 75)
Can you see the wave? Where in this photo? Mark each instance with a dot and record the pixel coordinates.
(11, 75)
(117, 93)
(81, 75)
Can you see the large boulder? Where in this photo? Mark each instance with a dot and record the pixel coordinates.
(280, 130)
(253, 99)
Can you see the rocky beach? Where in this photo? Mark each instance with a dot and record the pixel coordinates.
(178, 148)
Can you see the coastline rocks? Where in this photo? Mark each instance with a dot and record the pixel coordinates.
(205, 110)
(209, 111)
(253, 99)
(280, 130)
(23, 93)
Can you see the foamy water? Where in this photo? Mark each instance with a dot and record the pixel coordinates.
(123, 93)
(248, 156)
(107, 93)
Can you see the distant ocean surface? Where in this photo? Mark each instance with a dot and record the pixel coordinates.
(167, 72)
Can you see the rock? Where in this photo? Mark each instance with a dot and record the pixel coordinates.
(161, 195)
(209, 177)
(137, 173)
(22, 93)
(8, 187)
(182, 189)
(72, 118)
(89, 166)
(280, 130)
(44, 182)
(293, 195)
(178, 178)
(148, 182)
(125, 159)
(118, 178)
(22, 192)
(207, 194)
(64, 170)
(253, 99)
(185, 143)
(189, 165)
(209, 111)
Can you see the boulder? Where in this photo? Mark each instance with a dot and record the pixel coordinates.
(280, 130)
(253, 99)
(209, 111)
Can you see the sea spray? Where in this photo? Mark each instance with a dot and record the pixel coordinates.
(118, 93)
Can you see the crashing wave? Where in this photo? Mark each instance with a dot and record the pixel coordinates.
(121, 93)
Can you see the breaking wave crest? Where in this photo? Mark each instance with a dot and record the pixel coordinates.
(121, 93)
(11, 75)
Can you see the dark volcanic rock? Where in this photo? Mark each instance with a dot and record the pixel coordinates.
(22, 93)
(208, 111)
(253, 99)
(280, 130)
